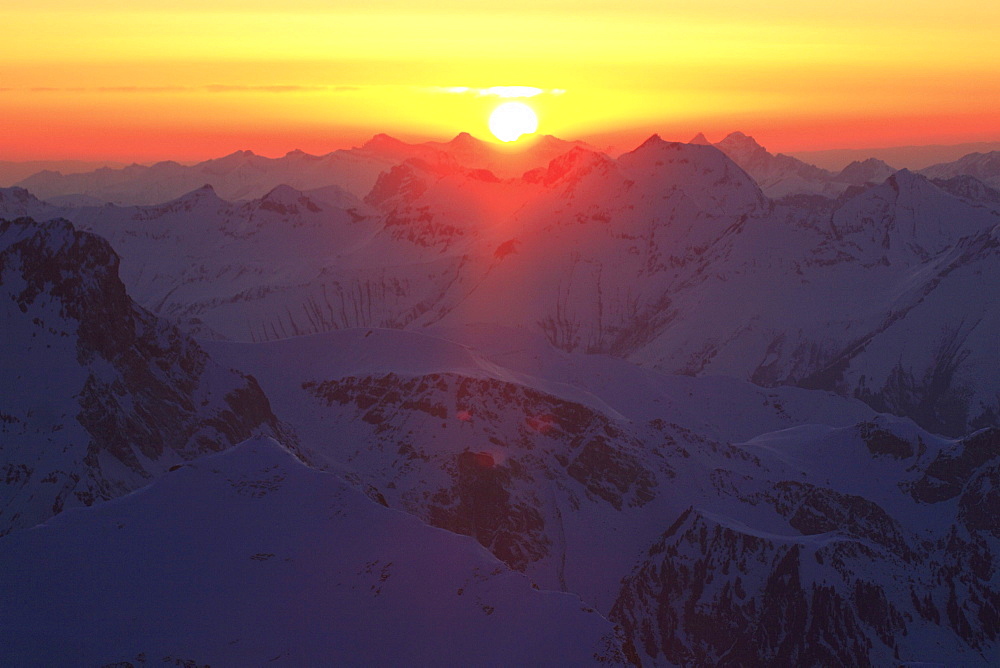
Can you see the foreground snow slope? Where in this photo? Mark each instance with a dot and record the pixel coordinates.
(249, 558)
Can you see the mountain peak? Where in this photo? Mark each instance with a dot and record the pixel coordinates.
(381, 141)
(656, 146)
(653, 140)
(204, 193)
(861, 172)
(285, 199)
(700, 139)
(16, 194)
(463, 141)
(553, 143)
(906, 180)
(575, 162)
(739, 141)
(283, 192)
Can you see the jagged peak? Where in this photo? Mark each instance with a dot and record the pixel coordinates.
(653, 140)
(656, 146)
(905, 177)
(285, 199)
(382, 141)
(409, 179)
(283, 192)
(700, 139)
(47, 173)
(464, 139)
(551, 142)
(872, 161)
(860, 172)
(913, 182)
(739, 140)
(55, 235)
(440, 163)
(225, 163)
(17, 194)
(162, 164)
(205, 192)
(299, 153)
(28, 224)
(578, 160)
(737, 135)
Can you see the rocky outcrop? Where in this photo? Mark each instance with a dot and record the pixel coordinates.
(119, 394)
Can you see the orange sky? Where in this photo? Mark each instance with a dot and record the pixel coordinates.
(186, 79)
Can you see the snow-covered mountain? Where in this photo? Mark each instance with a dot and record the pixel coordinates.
(831, 534)
(863, 172)
(983, 166)
(783, 175)
(196, 258)
(669, 255)
(98, 395)
(778, 175)
(901, 574)
(672, 257)
(971, 190)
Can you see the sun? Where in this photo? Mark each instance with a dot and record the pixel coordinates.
(511, 120)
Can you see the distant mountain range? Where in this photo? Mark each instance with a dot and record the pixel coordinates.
(244, 175)
(911, 157)
(12, 171)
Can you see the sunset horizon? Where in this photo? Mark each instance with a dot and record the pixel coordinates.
(157, 80)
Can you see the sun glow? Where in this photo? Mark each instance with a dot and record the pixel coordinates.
(511, 120)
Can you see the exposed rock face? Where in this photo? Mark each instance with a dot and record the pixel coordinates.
(491, 450)
(950, 472)
(709, 595)
(102, 394)
(844, 582)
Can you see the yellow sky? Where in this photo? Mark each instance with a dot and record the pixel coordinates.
(185, 79)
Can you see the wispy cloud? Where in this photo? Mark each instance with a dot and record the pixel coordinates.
(210, 88)
(512, 91)
(220, 88)
(498, 91)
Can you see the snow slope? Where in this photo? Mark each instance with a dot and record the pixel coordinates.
(247, 557)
